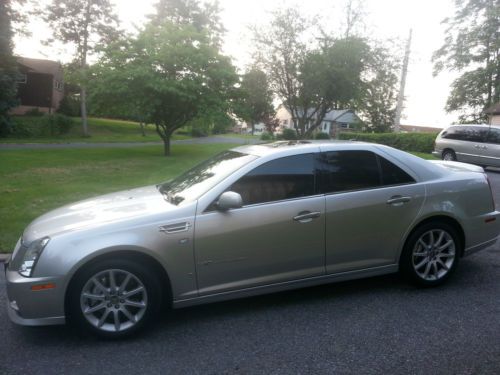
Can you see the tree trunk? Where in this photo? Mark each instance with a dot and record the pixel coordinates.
(83, 103)
(166, 146)
(253, 128)
(141, 124)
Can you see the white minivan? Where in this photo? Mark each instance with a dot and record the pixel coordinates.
(475, 144)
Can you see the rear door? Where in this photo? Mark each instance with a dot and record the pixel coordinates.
(370, 204)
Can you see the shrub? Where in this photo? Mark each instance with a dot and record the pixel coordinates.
(289, 134)
(197, 132)
(416, 142)
(322, 136)
(39, 126)
(266, 136)
(34, 112)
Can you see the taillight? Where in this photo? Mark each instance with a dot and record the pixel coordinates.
(491, 190)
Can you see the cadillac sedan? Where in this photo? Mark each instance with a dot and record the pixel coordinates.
(252, 220)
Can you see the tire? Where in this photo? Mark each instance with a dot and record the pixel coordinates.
(431, 254)
(114, 298)
(449, 155)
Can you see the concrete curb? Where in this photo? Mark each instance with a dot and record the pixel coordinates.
(3, 257)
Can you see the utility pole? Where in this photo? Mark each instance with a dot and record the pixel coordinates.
(401, 95)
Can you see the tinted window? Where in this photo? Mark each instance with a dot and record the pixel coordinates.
(393, 175)
(466, 133)
(347, 170)
(284, 178)
(494, 136)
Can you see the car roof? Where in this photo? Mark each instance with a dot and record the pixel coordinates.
(475, 125)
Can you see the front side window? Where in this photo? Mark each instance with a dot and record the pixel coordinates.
(284, 178)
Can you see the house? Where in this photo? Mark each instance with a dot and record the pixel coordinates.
(40, 85)
(419, 129)
(242, 127)
(494, 114)
(335, 120)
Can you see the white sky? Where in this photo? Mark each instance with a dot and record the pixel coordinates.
(385, 19)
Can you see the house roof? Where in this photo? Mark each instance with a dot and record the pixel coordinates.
(334, 115)
(40, 65)
(493, 110)
(420, 129)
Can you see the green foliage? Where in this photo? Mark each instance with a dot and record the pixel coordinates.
(416, 142)
(170, 73)
(8, 70)
(255, 102)
(471, 47)
(69, 106)
(311, 79)
(289, 134)
(266, 136)
(322, 135)
(41, 126)
(34, 112)
(199, 132)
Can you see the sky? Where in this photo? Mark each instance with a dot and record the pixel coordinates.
(384, 19)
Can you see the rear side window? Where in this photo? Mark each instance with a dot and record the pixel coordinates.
(392, 174)
(494, 136)
(466, 133)
(348, 170)
(285, 178)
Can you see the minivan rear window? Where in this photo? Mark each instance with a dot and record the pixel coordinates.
(466, 133)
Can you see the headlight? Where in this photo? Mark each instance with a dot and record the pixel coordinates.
(31, 256)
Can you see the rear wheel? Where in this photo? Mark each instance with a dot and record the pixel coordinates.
(449, 155)
(114, 298)
(431, 254)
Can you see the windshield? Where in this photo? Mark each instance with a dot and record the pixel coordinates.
(198, 180)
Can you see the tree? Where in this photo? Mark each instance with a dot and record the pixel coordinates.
(170, 73)
(472, 48)
(8, 69)
(255, 102)
(310, 80)
(84, 25)
(379, 98)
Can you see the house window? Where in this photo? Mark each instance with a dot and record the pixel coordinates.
(22, 78)
(344, 126)
(58, 85)
(285, 122)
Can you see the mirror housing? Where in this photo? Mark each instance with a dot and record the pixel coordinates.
(229, 200)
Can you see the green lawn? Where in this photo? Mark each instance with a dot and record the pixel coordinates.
(101, 130)
(35, 181)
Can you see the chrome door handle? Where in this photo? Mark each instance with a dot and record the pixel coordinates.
(398, 200)
(306, 216)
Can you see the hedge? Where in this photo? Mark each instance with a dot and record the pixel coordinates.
(416, 142)
(41, 125)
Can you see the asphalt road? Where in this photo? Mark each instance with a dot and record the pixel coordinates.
(374, 326)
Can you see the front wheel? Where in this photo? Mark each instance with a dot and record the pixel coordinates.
(114, 298)
(431, 254)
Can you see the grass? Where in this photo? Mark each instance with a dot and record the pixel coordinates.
(425, 156)
(33, 182)
(101, 130)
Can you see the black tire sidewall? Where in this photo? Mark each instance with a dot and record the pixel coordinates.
(406, 264)
(452, 153)
(150, 282)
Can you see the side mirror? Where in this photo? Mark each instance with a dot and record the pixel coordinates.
(229, 200)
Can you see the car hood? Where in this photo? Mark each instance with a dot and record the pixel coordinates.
(123, 205)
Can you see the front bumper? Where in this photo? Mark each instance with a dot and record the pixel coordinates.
(33, 308)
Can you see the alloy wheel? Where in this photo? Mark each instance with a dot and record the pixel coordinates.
(433, 254)
(113, 300)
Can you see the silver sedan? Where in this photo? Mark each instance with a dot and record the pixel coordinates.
(252, 220)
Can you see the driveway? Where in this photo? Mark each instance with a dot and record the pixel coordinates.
(202, 140)
(373, 326)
